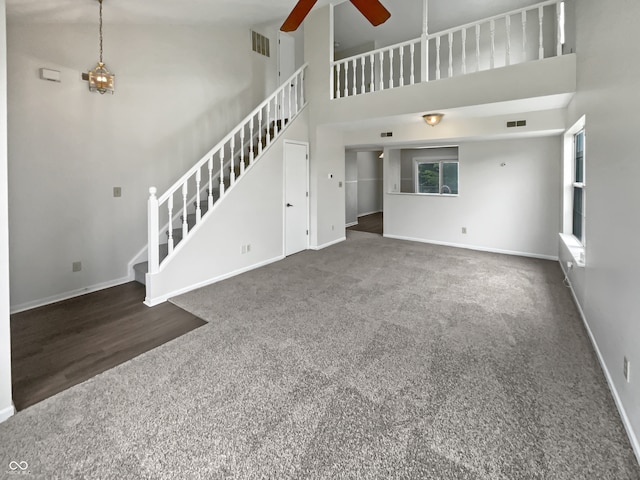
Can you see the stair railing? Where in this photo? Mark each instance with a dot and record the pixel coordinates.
(495, 46)
(222, 167)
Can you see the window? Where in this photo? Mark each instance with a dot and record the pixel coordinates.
(578, 185)
(437, 177)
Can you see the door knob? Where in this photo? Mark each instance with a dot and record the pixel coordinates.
(289, 205)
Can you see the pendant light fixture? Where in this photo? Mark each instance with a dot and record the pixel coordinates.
(100, 79)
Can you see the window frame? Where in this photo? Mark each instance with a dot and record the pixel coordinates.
(576, 185)
(417, 161)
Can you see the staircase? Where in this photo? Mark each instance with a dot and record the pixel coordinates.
(188, 203)
(268, 135)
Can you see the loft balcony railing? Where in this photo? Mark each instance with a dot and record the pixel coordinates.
(527, 34)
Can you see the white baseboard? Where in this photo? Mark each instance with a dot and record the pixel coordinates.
(350, 224)
(152, 302)
(328, 244)
(472, 247)
(368, 213)
(7, 412)
(71, 294)
(635, 444)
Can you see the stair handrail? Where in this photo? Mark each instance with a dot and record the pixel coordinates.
(295, 101)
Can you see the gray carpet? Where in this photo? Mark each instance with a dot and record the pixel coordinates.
(374, 358)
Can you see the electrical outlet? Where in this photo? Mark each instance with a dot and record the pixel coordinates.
(76, 266)
(332, 228)
(248, 247)
(117, 191)
(626, 369)
(464, 230)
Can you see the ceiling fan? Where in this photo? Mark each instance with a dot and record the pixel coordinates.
(373, 10)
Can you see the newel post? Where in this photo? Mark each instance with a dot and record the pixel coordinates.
(152, 232)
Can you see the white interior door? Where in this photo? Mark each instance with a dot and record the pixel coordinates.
(286, 68)
(296, 200)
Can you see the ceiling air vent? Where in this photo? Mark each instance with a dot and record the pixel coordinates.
(260, 44)
(386, 134)
(517, 123)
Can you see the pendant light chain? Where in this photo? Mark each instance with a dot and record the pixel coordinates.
(100, 31)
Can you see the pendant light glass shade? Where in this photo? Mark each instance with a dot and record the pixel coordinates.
(433, 119)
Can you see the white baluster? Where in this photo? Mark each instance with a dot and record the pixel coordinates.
(412, 52)
(289, 87)
(198, 209)
(524, 35)
(251, 154)
(450, 54)
(295, 94)
(401, 79)
(210, 195)
(170, 243)
(372, 83)
(222, 172)
(282, 113)
(438, 40)
(477, 47)
(268, 133)
(541, 34)
(559, 27)
(391, 68)
(338, 73)
(303, 75)
(381, 70)
(363, 60)
(232, 172)
(354, 88)
(152, 230)
(492, 63)
(346, 79)
(260, 132)
(185, 225)
(507, 21)
(464, 51)
(242, 165)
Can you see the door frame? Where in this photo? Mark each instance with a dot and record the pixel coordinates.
(284, 193)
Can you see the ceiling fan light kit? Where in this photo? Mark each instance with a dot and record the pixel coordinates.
(373, 10)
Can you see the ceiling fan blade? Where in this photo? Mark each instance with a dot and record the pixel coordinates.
(297, 15)
(373, 10)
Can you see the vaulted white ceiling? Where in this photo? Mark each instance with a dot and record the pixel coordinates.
(189, 12)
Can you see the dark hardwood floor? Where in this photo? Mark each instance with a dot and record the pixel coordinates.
(369, 223)
(60, 345)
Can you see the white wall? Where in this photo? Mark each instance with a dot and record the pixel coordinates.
(513, 208)
(252, 212)
(369, 183)
(6, 403)
(179, 90)
(608, 95)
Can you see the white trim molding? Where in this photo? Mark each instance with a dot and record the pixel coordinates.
(328, 244)
(633, 439)
(70, 294)
(152, 302)
(8, 412)
(473, 247)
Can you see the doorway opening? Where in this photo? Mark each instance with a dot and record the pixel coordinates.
(364, 190)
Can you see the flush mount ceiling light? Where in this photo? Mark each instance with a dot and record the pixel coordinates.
(433, 119)
(100, 79)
